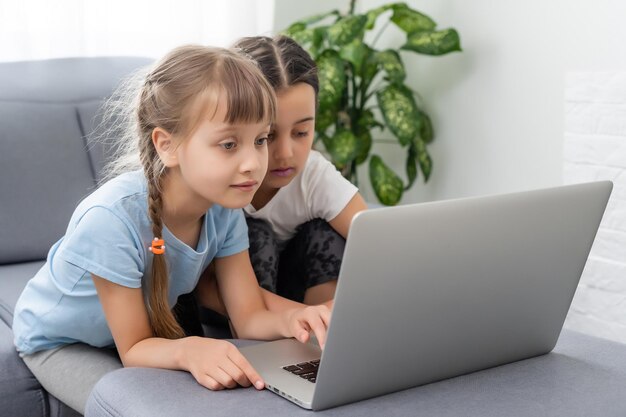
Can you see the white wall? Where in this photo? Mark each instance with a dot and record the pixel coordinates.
(595, 148)
(497, 107)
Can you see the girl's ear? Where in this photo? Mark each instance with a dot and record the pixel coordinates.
(165, 147)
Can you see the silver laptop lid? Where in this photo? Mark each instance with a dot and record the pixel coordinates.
(436, 290)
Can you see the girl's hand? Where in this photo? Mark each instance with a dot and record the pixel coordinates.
(312, 318)
(218, 364)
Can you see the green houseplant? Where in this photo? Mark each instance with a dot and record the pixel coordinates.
(352, 73)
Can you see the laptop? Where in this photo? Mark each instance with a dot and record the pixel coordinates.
(437, 290)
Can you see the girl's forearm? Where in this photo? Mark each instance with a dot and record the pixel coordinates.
(156, 352)
(278, 304)
(280, 307)
(208, 294)
(265, 325)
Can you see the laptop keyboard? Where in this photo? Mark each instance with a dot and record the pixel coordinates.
(305, 370)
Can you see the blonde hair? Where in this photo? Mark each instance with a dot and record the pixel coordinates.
(165, 99)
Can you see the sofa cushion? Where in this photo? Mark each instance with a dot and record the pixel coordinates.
(90, 118)
(67, 80)
(20, 393)
(46, 110)
(101, 134)
(13, 279)
(583, 376)
(44, 173)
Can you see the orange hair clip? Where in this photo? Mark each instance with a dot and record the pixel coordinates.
(158, 246)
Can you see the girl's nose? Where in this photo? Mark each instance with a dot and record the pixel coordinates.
(253, 160)
(282, 149)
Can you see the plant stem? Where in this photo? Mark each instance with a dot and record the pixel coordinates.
(369, 95)
(352, 4)
(380, 32)
(354, 99)
(365, 96)
(355, 177)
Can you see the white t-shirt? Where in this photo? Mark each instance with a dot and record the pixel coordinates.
(318, 192)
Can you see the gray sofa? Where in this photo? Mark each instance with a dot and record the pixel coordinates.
(47, 110)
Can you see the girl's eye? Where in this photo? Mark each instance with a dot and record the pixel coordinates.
(228, 145)
(302, 134)
(271, 136)
(260, 141)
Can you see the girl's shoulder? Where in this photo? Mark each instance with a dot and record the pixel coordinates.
(316, 159)
(126, 192)
(319, 169)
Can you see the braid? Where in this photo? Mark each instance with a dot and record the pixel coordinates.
(162, 319)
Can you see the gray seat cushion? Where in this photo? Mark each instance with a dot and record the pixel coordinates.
(20, 393)
(13, 278)
(583, 376)
(17, 385)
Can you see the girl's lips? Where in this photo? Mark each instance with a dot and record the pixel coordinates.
(283, 172)
(246, 186)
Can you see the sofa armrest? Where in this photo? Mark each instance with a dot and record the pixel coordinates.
(583, 376)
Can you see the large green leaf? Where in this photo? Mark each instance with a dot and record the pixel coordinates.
(310, 39)
(426, 130)
(363, 132)
(433, 42)
(332, 78)
(401, 115)
(294, 28)
(373, 14)
(325, 117)
(387, 185)
(346, 29)
(411, 166)
(316, 18)
(392, 64)
(364, 145)
(410, 20)
(342, 147)
(370, 65)
(423, 158)
(367, 121)
(354, 52)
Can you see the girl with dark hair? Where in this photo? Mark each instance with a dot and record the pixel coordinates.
(299, 217)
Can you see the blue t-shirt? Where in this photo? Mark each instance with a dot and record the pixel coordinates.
(108, 236)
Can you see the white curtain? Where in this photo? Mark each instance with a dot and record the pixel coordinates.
(41, 29)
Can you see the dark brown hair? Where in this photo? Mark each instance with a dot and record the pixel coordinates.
(281, 59)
